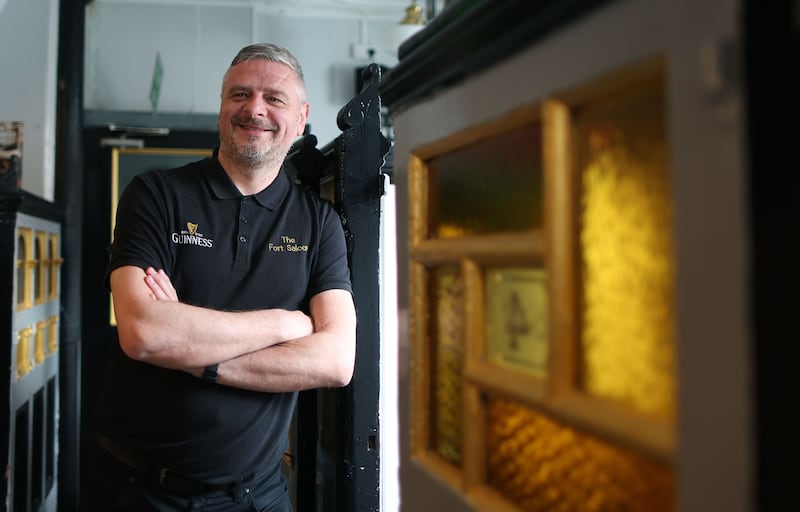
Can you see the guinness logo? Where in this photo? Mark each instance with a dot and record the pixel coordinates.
(190, 236)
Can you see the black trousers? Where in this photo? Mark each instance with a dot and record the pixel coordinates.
(109, 485)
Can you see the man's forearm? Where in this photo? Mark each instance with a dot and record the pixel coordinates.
(161, 331)
(325, 358)
(316, 361)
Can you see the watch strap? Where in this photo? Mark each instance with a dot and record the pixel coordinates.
(210, 373)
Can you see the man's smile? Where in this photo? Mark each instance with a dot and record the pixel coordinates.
(253, 127)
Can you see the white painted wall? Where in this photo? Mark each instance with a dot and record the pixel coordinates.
(196, 43)
(29, 60)
(196, 40)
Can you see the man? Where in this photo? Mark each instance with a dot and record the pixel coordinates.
(231, 292)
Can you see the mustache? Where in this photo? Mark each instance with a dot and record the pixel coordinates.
(254, 122)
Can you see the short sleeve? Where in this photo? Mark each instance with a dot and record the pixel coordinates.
(332, 270)
(140, 230)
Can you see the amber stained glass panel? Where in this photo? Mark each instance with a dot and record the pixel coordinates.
(447, 292)
(542, 465)
(493, 185)
(626, 254)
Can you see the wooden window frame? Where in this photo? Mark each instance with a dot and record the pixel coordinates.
(554, 248)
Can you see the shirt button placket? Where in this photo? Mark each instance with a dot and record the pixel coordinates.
(242, 250)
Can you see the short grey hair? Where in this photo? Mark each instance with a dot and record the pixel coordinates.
(273, 53)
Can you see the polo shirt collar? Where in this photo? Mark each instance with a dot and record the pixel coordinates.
(223, 187)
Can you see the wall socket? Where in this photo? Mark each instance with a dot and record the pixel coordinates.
(362, 51)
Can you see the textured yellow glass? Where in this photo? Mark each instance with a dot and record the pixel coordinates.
(541, 465)
(494, 185)
(628, 329)
(516, 318)
(448, 355)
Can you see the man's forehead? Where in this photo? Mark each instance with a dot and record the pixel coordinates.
(261, 73)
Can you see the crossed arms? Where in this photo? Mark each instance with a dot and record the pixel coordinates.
(270, 350)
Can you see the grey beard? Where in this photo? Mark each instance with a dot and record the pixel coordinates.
(250, 157)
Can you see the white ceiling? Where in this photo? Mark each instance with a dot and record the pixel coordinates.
(388, 10)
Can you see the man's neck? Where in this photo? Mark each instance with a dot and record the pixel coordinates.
(249, 180)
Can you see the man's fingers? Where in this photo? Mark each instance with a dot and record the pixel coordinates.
(160, 285)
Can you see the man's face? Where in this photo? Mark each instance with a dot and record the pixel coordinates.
(261, 113)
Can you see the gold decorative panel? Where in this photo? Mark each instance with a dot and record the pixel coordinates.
(52, 334)
(516, 318)
(448, 360)
(491, 186)
(39, 342)
(626, 251)
(542, 465)
(24, 352)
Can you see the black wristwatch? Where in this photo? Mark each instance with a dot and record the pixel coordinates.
(210, 374)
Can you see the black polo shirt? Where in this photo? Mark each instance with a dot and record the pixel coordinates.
(222, 250)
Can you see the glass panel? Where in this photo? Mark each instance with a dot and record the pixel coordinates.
(50, 464)
(494, 185)
(37, 270)
(540, 464)
(55, 261)
(447, 295)
(516, 318)
(46, 265)
(22, 257)
(21, 462)
(627, 253)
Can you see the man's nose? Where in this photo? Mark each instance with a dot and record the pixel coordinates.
(256, 107)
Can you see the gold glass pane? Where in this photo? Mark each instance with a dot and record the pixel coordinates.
(542, 465)
(494, 185)
(516, 318)
(628, 329)
(447, 328)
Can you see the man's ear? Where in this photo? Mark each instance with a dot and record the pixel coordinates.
(301, 126)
